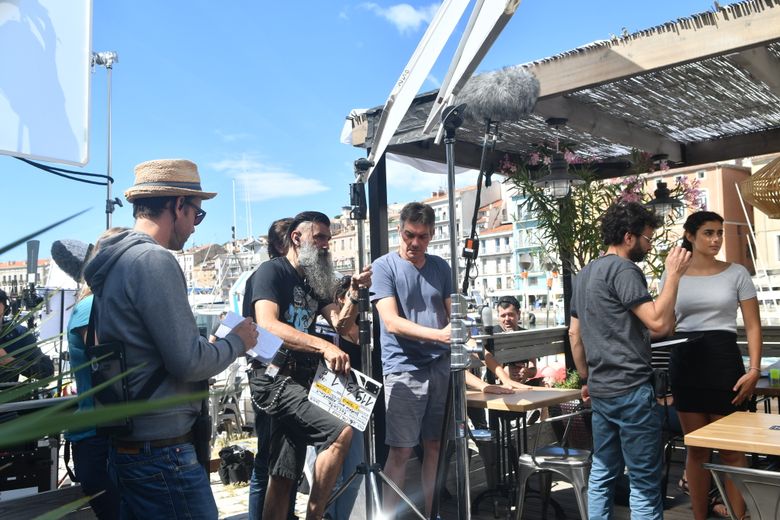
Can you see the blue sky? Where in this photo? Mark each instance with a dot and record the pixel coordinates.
(257, 92)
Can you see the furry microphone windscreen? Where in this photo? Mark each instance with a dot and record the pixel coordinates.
(508, 94)
(69, 255)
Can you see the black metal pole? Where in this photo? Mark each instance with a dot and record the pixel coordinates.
(566, 261)
(451, 121)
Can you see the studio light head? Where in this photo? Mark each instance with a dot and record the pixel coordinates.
(105, 58)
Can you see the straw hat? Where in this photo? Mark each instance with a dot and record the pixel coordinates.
(167, 178)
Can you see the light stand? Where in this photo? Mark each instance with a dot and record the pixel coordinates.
(452, 118)
(107, 59)
(369, 468)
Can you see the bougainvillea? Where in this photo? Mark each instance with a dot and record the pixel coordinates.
(572, 224)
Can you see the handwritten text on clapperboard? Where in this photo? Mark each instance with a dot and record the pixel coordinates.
(350, 397)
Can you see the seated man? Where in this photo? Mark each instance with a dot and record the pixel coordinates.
(508, 318)
(19, 353)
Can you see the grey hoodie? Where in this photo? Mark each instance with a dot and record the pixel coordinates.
(141, 300)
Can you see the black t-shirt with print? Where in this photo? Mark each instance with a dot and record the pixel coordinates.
(277, 280)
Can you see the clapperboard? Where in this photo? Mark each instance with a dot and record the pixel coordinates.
(351, 397)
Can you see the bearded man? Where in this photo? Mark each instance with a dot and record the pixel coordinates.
(613, 318)
(284, 296)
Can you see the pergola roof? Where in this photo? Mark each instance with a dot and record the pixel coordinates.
(700, 89)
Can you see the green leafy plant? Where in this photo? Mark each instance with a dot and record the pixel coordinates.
(572, 224)
(572, 381)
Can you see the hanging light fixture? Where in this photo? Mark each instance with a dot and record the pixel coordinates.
(664, 204)
(559, 182)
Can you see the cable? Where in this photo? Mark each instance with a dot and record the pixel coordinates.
(62, 172)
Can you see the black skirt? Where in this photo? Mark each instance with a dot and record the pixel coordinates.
(703, 373)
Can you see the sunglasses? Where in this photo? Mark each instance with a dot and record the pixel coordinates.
(200, 214)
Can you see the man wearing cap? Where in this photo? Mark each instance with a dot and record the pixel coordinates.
(412, 295)
(284, 296)
(141, 301)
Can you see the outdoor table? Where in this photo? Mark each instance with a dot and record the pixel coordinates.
(741, 431)
(509, 406)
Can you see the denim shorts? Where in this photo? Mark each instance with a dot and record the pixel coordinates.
(415, 403)
(295, 423)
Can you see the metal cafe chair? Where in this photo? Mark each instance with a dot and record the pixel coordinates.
(565, 458)
(760, 489)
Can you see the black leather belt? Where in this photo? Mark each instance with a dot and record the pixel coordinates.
(135, 447)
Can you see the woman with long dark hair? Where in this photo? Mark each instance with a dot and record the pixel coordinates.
(708, 377)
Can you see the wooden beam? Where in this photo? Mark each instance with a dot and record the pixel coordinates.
(762, 65)
(735, 147)
(732, 28)
(587, 118)
(468, 155)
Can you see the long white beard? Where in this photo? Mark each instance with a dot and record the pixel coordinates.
(318, 269)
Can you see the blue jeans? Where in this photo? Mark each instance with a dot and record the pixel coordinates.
(341, 509)
(258, 483)
(626, 430)
(90, 464)
(161, 483)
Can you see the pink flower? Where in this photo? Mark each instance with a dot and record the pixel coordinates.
(534, 159)
(553, 373)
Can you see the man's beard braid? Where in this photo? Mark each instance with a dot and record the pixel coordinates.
(318, 269)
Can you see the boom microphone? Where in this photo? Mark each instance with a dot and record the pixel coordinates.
(69, 255)
(508, 94)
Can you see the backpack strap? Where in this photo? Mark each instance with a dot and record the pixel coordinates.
(154, 380)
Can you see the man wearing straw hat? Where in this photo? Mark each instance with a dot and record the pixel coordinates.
(141, 301)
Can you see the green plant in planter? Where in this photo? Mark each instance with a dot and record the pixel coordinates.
(572, 381)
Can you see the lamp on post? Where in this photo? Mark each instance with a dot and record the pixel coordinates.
(558, 184)
(525, 262)
(663, 204)
(549, 265)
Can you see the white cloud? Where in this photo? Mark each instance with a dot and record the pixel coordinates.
(227, 137)
(406, 18)
(434, 81)
(259, 182)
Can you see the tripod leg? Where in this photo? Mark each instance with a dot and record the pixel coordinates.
(441, 476)
(344, 486)
(387, 480)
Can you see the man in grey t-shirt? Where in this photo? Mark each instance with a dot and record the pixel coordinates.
(612, 319)
(412, 296)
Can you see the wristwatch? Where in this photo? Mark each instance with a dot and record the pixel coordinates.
(354, 300)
